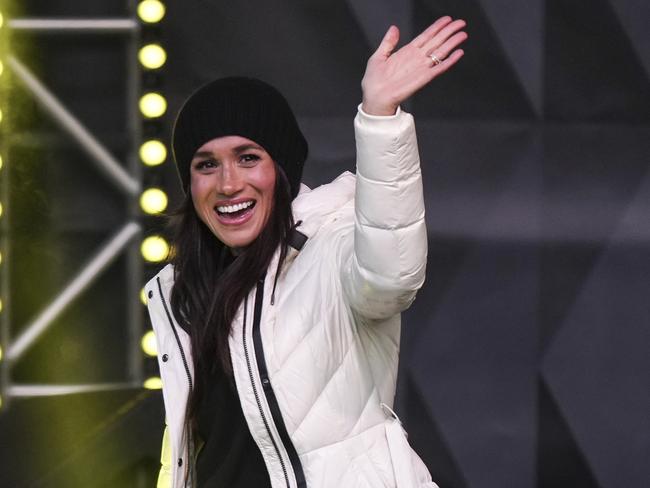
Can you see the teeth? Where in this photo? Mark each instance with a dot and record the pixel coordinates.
(234, 208)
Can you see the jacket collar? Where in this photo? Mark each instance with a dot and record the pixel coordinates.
(312, 208)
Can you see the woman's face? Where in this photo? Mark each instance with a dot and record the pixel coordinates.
(232, 181)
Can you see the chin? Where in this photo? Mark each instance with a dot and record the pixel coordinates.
(235, 238)
(239, 244)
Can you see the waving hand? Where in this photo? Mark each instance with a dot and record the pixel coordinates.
(392, 77)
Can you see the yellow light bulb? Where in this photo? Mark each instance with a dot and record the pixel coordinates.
(148, 344)
(0, 162)
(153, 153)
(0, 258)
(151, 11)
(2, 68)
(153, 383)
(153, 105)
(2, 19)
(152, 56)
(143, 296)
(154, 249)
(0, 115)
(0, 209)
(153, 201)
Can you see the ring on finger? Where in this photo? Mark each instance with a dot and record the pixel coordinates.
(436, 60)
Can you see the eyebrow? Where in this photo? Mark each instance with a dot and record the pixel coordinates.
(237, 150)
(246, 147)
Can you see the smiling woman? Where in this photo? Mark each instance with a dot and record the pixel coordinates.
(232, 185)
(239, 153)
(278, 320)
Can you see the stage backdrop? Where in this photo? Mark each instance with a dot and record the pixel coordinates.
(526, 356)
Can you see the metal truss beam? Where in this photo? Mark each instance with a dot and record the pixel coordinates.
(93, 148)
(78, 285)
(30, 391)
(125, 177)
(77, 26)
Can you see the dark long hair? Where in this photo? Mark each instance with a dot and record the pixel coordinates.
(210, 283)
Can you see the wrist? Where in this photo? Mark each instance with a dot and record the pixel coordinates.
(378, 109)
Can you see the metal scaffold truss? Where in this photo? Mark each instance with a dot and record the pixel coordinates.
(123, 175)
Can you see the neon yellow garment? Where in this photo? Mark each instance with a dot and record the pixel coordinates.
(165, 474)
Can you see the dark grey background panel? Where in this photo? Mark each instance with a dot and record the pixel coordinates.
(521, 36)
(592, 71)
(475, 360)
(525, 358)
(596, 365)
(485, 84)
(633, 16)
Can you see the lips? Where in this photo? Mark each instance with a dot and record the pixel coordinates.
(235, 213)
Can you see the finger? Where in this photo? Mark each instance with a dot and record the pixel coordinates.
(451, 60)
(431, 31)
(448, 46)
(444, 34)
(388, 43)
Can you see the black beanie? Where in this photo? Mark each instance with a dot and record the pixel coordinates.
(239, 106)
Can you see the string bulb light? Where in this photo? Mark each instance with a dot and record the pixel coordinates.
(153, 105)
(152, 56)
(151, 11)
(153, 201)
(154, 249)
(153, 152)
(148, 344)
(153, 383)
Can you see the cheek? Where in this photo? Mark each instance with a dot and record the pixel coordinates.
(268, 190)
(199, 188)
(195, 199)
(198, 201)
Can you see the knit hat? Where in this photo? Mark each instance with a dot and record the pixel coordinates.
(244, 107)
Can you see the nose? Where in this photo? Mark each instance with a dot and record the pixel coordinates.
(231, 181)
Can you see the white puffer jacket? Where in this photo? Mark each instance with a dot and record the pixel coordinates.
(316, 369)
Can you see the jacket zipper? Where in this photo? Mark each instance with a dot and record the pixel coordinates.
(276, 414)
(257, 398)
(178, 340)
(187, 371)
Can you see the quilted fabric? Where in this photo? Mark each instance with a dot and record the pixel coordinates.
(331, 337)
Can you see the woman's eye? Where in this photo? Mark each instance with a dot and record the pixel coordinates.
(249, 158)
(205, 164)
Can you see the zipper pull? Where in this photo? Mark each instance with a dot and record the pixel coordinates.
(390, 412)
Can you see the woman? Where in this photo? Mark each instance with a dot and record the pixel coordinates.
(278, 321)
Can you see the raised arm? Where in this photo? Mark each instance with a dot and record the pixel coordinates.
(388, 262)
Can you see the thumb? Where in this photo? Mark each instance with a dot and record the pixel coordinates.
(388, 43)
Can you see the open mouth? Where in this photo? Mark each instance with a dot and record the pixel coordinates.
(235, 212)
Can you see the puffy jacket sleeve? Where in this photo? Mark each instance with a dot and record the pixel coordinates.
(388, 260)
(165, 474)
